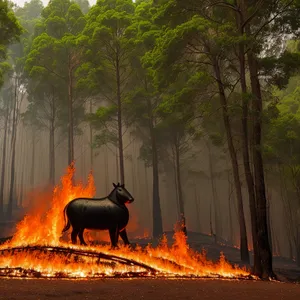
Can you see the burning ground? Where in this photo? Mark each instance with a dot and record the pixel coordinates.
(37, 249)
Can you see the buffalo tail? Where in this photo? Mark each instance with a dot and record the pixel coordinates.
(67, 226)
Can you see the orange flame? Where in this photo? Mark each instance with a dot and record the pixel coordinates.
(42, 228)
(45, 229)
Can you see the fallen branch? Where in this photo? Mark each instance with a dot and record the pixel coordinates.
(89, 253)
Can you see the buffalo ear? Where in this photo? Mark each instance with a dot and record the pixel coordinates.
(118, 184)
(114, 184)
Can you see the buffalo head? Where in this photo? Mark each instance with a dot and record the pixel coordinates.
(122, 195)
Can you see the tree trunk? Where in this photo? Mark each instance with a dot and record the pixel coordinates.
(210, 222)
(175, 183)
(298, 241)
(298, 256)
(288, 214)
(156, 209)
(51, 155)
(230, 190)
(52, 143)
(269, 224)
(106, 173)
(288, 220)
(197, 207)
(12, 181)
(245, 146)
(179, 186)
(11, 199)
(157, 218)
(117, 166)
(120, 129)
(22, 163)
(3, 161)
(245, 131)
(133, 167)
(32, 159)
(291, 256)
(71, 117)
(234, 161)
(275, 238)
(21, 188)
(147, 198)
(218, 220)
(132, 175)
(265, 269)
(91, 138)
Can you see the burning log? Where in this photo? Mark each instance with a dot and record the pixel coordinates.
(29, 273)
(19, 272)
(76, 252)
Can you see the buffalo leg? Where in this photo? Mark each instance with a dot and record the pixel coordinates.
(114, 236)
(123, 235)
(74, 234)
(80, 235)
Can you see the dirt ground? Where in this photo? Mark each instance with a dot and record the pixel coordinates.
(146, 289)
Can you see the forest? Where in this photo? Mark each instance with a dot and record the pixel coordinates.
(194, 105)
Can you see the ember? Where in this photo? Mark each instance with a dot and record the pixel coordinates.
(37, 251)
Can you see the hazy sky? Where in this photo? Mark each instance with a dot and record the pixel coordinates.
(21, 2)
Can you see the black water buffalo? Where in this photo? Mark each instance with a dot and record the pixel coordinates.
(108, 213)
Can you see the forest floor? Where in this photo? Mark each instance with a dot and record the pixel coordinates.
(142, 288)
(146, 289)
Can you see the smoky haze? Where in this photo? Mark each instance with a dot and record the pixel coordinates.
(206, 180)
(107, 87)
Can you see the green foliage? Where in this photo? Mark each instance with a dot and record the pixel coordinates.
(189, 45)
(280, 69)
(10, 27)
(10, 31)
(53, 60)
(282, 138)
(111, 47)
(105, 138)
(110, 39)
(185, 90)
(282, 141)
(105, 114)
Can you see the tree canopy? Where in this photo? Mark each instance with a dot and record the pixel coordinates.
(10, 31)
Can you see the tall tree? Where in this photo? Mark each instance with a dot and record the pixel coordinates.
(43, 112)
(17, 97)
(57, 49)
(5, 114)
(281, 148)
(176, 133)
(199, 45)
(141, 104)
(18, 82)
(245, 26)
(260, 20)
(110, 49)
